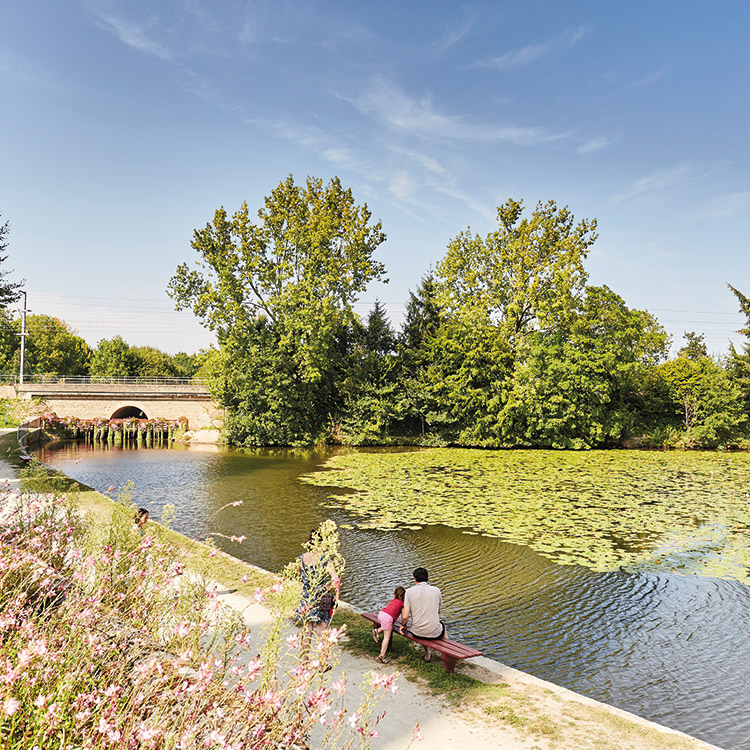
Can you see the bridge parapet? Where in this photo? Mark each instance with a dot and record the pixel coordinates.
(65, 388)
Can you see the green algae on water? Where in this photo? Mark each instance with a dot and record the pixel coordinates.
(607, 510)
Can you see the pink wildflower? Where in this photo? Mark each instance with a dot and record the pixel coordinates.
(243, 639)
(333, 634)
(272, 699)
(11, 706)
(260, 596)
(418, 733)
(147, 733)
(205, 673)
(182, 629)
(245, 578)
(24, 657)
(317, 699)
(340, 685)
(277, 587)
(38, 648)
(148, 541)
(253, 667)
(386, 681)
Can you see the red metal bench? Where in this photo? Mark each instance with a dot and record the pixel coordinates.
(450, 651)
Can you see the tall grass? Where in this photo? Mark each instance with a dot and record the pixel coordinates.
(108, 641)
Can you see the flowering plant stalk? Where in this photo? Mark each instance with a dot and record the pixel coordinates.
(107, 641)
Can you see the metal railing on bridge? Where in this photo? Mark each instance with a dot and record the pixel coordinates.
(97, 379)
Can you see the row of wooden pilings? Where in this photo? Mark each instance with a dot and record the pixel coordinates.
(141, 433)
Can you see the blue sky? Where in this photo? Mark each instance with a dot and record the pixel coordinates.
(127, 123)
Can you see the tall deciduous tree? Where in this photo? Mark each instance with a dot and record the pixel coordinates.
(53, 348)
(281, 290)
(495, 292)
(706, 404)
(528, 272)
(581, 384)
(112, 359)
(150, 362)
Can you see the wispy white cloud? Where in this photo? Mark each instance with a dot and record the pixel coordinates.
(516, 58)
(385, 102)
(310, 137)
(596, 144)
(427, 162)
(659, 181)
(649, 79)
(413, 180)
(729, 204)
(453, 36)
(131, 33)
(532, 52)
(469, 200)
(402, 185)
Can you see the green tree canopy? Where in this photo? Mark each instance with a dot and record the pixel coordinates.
(706, 404)
(53, 348)
(695, 346)
(528, 271)
(112, 359)
(280, 291)
(150, 362)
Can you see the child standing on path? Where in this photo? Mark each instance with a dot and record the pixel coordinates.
(386, 616)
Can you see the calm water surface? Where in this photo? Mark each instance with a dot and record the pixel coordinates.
(671, 648)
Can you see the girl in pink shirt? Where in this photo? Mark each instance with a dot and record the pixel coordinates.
(386, 616)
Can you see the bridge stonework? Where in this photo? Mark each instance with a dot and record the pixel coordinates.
(104, 400)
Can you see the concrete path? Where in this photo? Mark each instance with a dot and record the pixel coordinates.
(586, 723)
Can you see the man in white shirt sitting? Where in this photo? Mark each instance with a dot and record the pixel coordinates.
(422, 604)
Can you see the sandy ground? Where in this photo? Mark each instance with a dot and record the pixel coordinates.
(525, 713)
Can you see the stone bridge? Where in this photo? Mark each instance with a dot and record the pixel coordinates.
(118, 398)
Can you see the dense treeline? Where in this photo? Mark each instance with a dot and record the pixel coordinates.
(504, 343)
(54, 349)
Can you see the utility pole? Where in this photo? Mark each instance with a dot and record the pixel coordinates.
(23, 336)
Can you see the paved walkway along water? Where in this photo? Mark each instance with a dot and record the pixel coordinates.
(556, 718)
(534, 715)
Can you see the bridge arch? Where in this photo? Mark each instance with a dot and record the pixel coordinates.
(125, 412)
